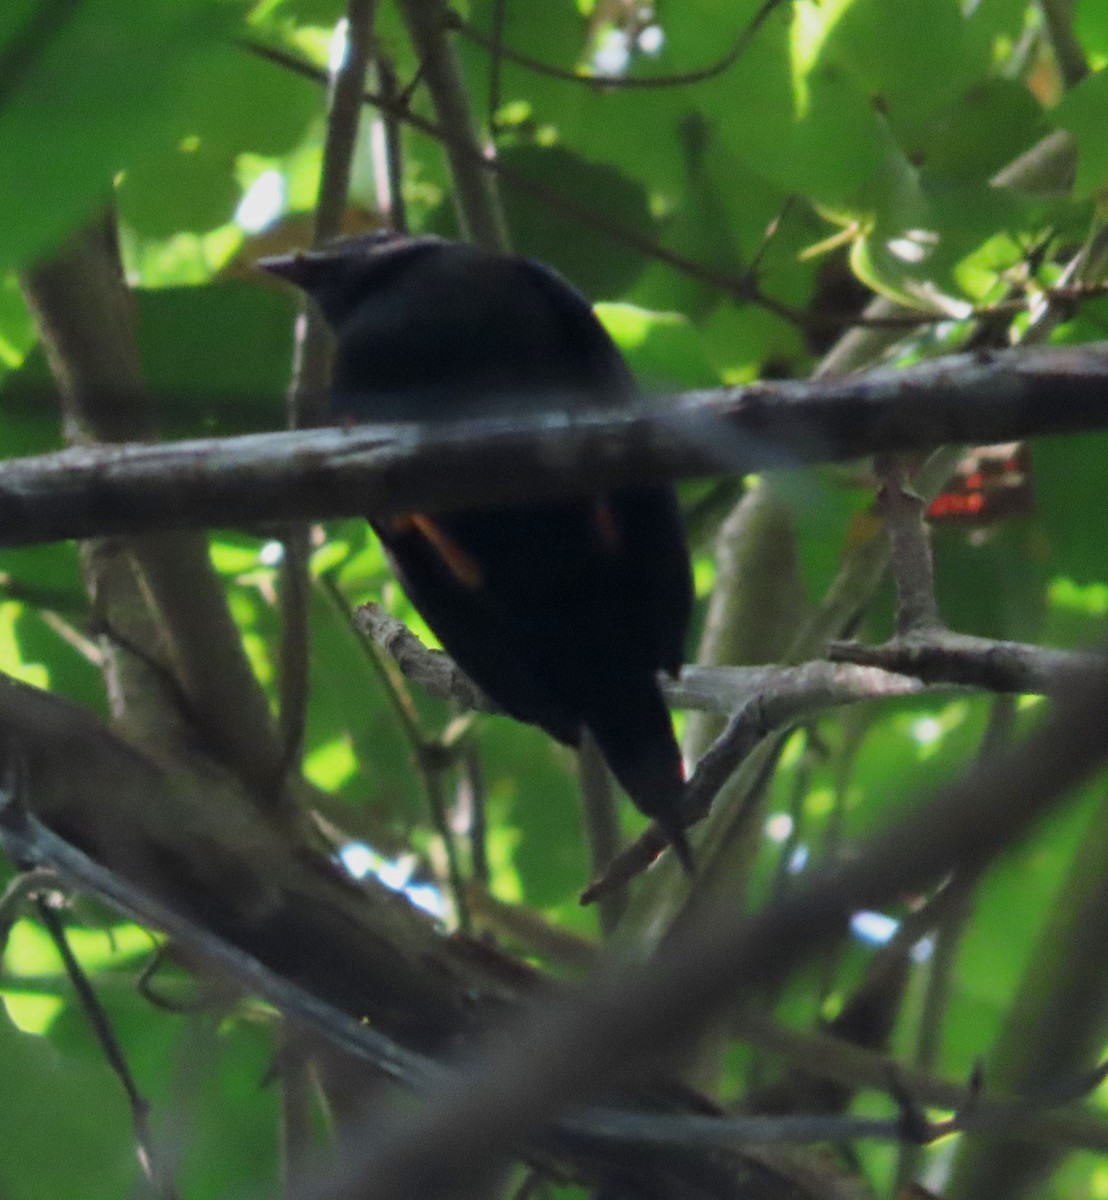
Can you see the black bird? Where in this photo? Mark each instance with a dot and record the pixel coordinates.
(562, 612)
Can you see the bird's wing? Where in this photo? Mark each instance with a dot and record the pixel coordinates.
(543, 603)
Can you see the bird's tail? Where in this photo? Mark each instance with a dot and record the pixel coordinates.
(635, 735)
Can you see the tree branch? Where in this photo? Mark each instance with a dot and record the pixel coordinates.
(85, 318)
(633, 1015)
(475, 196)
(784, 693)
(312, 352)
(383, 470)
(910, 554)
(960, 659)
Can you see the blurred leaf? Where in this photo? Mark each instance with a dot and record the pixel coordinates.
(1084, 112)
(980, 131)
(911, 58)
(1070, 486)
(16, 332)
(1090, 24)
(232, 102)
(104, 77)
(993, 582)
(41, 1087)
(662, 349)
(586, 255)
(532, 790)
(221, 356)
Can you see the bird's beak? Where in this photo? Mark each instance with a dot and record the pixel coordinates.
(298, 268)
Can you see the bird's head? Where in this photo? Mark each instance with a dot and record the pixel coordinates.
(341, 273)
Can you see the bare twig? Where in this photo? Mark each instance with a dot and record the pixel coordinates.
(30, 841)
(621, 82)
(784, 693)
(940, 975)
(389, 163)
(473, 798)
(432, 773)
(431, 669)
(293, 1068)
(962, 660)
(529, 930)
(1057, 1021)
(495, 46)
(311, 369)
(150, 1160)
(27, 839)
(735, 744)
(430, 755)
(601, 825)
(765, 698)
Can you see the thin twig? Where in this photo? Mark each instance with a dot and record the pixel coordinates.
(474, 795)
(940, 975)
(598, 802)
(740, 736)
(311, 369)
(495, 47)
(678, 79)
(530, 931)
(295, 1077)
(390, 199)
(432, 772)
(944, 657)
(149, 1159)
(431, 756)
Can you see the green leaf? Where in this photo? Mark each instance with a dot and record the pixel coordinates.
(104, 78)
(596, 263)
(232, 103)
(221, 355)
(1071, 487)
(41, 1087)
(662, 349)
(911, 58)
(1084, 112)
(1090, 24)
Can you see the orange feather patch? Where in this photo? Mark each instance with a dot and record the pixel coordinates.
(462, 565)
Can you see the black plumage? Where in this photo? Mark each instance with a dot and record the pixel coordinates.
(562, 612)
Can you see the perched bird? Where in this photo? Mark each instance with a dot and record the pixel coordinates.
(562, 612)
